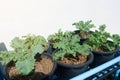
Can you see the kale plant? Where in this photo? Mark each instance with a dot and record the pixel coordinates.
(84, 27)
(69, 45)
(55, 37)
(24, 52)
(100, 40)
(115, 42)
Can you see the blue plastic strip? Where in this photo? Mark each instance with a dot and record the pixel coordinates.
(117, 74)
(96, 70)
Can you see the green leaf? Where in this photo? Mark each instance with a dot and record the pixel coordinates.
(6, 56)
(84, 27)
(102, 27)
(69, 45)
(25, 66)
(116, 39)
(25, 49)
(56, 37)
(99, 39)
(85, 50)
(17, 43)
(37, 49)
(59, 54)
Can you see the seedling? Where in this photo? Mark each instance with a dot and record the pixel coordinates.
(24, 52)
(69, 45)
(99, 40)
(84, 27)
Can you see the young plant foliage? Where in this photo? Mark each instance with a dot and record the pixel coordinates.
(69, 45)
(24, 52)
(55, 37)
(84, 27)
(102, 40)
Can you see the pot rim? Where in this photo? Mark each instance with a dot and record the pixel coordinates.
(44, 54)
(106, 53)
(89, 61)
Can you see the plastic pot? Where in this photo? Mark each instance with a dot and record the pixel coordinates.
(102, 57)
(118, 52)
(67, 71)
(82, 40)
(49, 76)
(2, 47)
(50, 49)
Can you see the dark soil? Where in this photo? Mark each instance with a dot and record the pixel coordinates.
(46, 47)
(42, 67)
(53, 41)
(102, 49)
(84, 35)
(72, 60)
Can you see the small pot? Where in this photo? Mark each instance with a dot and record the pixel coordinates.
(3, 47)
(67, 71)
(49, 76)
(102, 57)
(118, 52)
(2, 77)
(50, 49)
(82, 40)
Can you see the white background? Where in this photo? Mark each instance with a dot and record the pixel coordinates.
(44, 17)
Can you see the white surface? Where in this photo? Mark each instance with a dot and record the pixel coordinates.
(44, 17)
(96, 70)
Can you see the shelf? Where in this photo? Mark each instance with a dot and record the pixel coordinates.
(101, 71)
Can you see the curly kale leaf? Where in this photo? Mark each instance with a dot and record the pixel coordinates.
(25, 49)
(84, 27)
(69, 45)
(26, 66)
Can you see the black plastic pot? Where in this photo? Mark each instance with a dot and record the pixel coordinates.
(50, 49)
(118, 52)
(49, 76)
(2, 77)
(102, 57)
(3, 47)
(82, 40)
(67, 71)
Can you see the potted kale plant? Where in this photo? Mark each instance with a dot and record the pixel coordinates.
(84, 29)
(53, 38)
(27, 60)
(71, 57)
(104, 45)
